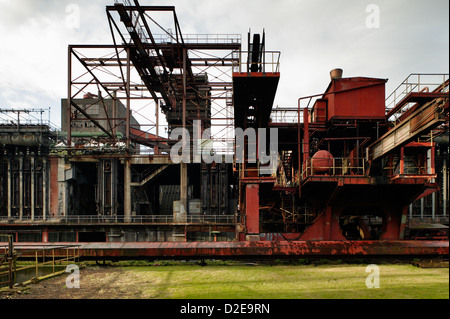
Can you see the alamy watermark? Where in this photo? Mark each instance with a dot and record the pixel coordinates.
(373, 279)
(250, 146)
(373, 17)
(72, 19)
(73, 280)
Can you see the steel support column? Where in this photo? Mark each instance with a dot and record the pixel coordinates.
(44, 189)
(183, 192)
(9, 188)
(128, 91)
(20, 187)
(32, 188)
(403, 222)
(444, 187)
(252, 208)
(127, 191)
(183, 166)
(327, 226)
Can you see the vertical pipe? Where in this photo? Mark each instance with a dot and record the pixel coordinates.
(9, 193)
(402, 161)
(10, 261)
(114, 168)
(37, 270)
(114, 113)
(101, 187)
(183, 166)
(184, 98)
(32, 187)
(128, 100)
(20, 186)
(127, 191)
(444, 187)
(69, 97)
(306, 134)
(299, 145)
(433, 205)
(156, 149)
(432, 160)
(44, 188)
(10, 274)
(421, 208)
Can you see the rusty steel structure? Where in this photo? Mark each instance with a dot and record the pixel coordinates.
(356, 173)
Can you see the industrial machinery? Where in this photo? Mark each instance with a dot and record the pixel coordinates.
(152, 164)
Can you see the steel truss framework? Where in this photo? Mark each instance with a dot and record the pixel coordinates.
(153, 74)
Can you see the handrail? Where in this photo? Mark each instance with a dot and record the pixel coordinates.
(94, 219)
(339, 166)
(270, 62)
(416, 82)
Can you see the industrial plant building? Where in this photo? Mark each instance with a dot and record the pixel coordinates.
(355, 166)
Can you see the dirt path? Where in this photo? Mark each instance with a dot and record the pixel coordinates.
(95, 282)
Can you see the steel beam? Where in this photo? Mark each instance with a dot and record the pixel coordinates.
(422, 120)
(269, 249)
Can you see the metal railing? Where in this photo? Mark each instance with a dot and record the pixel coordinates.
(416, 82)
(270, 62)
(142, 219)
(285, 115)
(337, 166)
(210, 38)
(436, 218)
(410, 167)
(47, 260)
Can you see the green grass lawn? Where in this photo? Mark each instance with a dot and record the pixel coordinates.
(288, 282)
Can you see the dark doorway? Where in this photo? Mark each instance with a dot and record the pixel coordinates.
(90, 237)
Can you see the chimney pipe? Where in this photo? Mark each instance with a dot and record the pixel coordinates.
(336, 74)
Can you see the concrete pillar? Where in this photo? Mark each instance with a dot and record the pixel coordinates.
(62, 187)
(182, 215)
(127, 191)
(45, 235)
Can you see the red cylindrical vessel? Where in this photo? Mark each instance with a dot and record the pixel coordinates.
(322, 162)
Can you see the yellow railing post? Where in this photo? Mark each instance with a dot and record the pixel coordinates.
(37, 271)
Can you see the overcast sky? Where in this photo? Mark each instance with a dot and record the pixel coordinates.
(314, 36)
